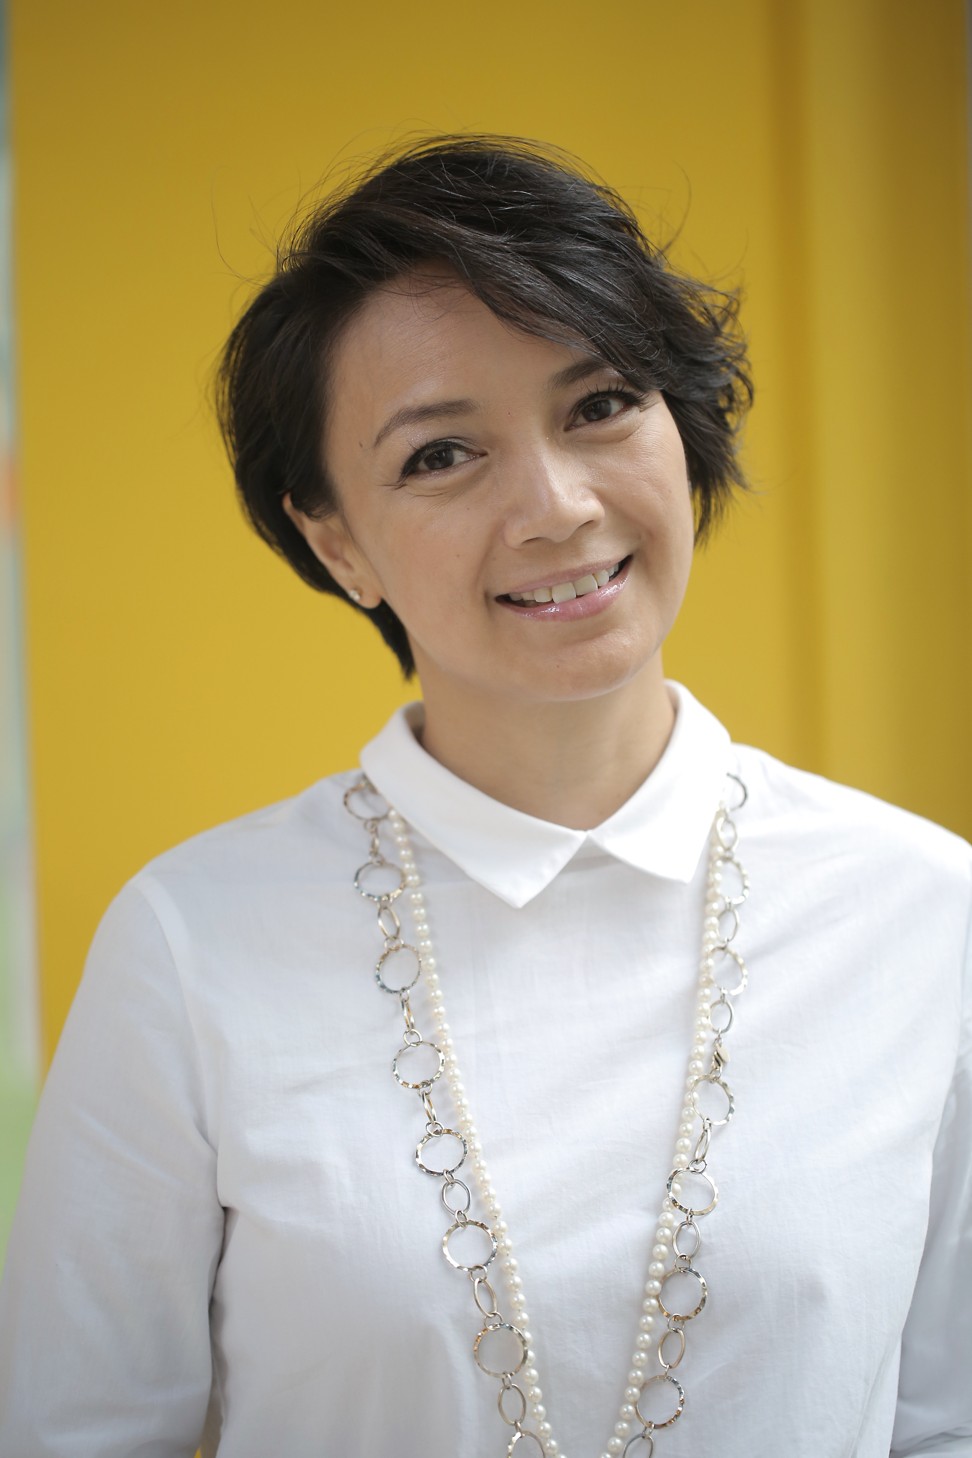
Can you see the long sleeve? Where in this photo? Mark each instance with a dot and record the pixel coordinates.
(104, 1339)
(934, 1414)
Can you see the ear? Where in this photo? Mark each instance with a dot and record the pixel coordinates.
(332, 544)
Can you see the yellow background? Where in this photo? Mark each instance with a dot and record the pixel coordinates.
(178, 674)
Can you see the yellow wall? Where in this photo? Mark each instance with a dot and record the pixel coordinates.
(178, 674)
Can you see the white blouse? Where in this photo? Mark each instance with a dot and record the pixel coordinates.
(223, 1237)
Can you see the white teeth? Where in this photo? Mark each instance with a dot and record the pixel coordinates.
(564, 591)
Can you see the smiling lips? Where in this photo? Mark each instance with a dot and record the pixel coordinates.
(585, 597)
(564, 591)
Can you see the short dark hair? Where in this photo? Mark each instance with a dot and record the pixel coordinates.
(546, 249)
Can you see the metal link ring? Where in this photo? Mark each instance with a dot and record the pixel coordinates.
(388, 916)
(511, 1387)
(395, 952)
(681, 1270)
(650, 1382)
(673, 1331)
(465, 1196)
(365, 787)
(731, 809)
(692, 1210)
(480, 1284)
(381, 898)
(687, 1255)
(644, 1437)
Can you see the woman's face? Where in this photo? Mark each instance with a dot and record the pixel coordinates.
(523, 510)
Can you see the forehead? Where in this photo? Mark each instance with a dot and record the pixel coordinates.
(426, 334)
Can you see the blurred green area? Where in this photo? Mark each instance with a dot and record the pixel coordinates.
(18, 1099)
(18, 1084)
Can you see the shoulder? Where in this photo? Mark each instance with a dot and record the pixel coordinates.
(811, 818)
(258, 860)
(239, 907)
(314, 820)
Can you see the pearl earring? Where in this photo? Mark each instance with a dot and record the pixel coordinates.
(354, 594)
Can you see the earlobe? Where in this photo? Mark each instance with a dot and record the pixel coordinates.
(333, 546)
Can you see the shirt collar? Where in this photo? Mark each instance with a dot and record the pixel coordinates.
(662, 830)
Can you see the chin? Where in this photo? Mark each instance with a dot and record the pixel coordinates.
(604, 670)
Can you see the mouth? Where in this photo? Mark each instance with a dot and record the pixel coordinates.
(558, 592)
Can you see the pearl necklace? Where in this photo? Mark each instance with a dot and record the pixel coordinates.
(504, 1347)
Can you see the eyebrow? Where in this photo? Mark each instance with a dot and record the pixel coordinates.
(439, 409)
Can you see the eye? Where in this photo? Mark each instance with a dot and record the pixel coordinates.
(605, 404)
(438, 455)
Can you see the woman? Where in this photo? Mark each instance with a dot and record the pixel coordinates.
(258, 1211)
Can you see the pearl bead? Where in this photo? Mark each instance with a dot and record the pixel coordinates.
(635, 1378)
(627, 1412)
(657, 1268)
(632, 1393)
(639, 1358)
(535, 1394)
(616, 1445)
(622, 1429)
(649, 1306)
(643, 1341)
(531, 1376)
(540, 1412)
(646, 1322)
(544, 1428)
(659, 1251)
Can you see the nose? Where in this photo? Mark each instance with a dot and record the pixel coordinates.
(550, 497)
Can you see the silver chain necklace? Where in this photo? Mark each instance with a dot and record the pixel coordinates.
(675, 1292)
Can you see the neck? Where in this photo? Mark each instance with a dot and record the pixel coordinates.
(571, 763)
